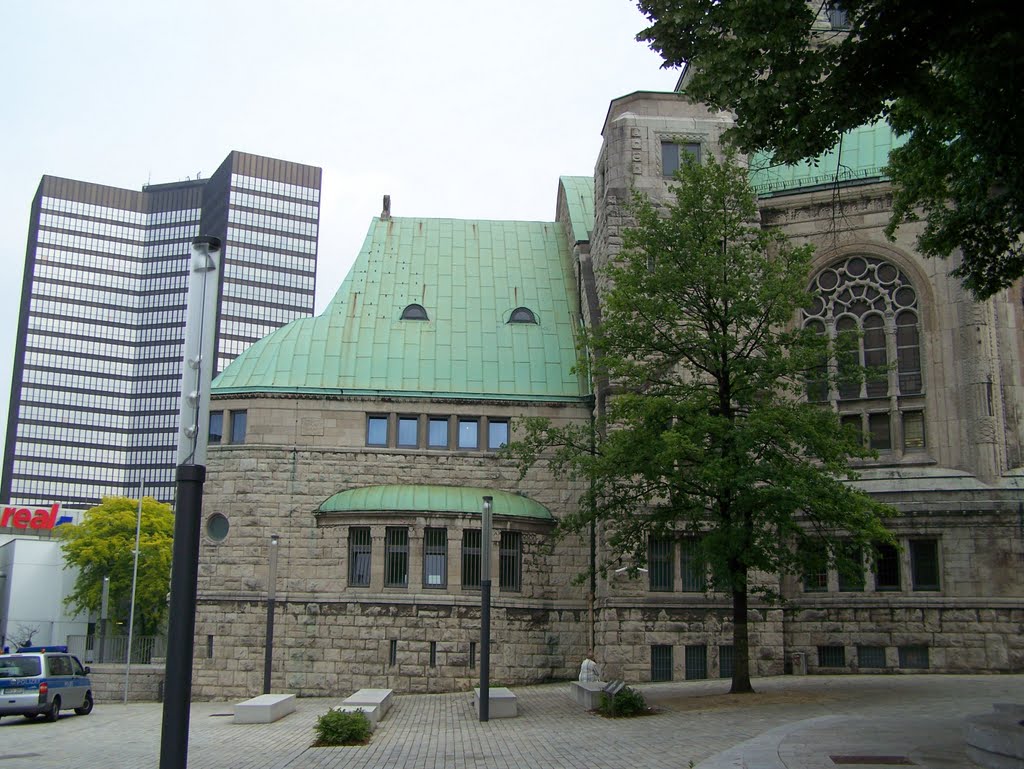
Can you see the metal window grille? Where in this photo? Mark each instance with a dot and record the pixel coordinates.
(661, 663)
(393, 653)
(471, 558)
(851, 573)
(914, 657)
(726, 660)
(359, 556)
(510, 561)
(696, 662)
(472, 655)
(871, 656)
(396, 556)
(433, 654)
(692, 567)
(924, 564)
(435, 557)
(659, 563)
(913, 430)
(887, 567)
(831, 656)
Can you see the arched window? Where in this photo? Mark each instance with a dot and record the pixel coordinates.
(522, 315)
(869, 308)
(414, 312)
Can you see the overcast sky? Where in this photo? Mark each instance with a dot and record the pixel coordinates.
(455, 108)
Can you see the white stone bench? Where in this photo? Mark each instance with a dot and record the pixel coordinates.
(502, 702)
(264, 709)
(588, 693)
(372, 712)
(367, 698)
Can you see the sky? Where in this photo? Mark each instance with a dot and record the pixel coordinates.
(455, 108)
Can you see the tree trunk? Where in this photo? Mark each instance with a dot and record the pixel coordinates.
(740, 636)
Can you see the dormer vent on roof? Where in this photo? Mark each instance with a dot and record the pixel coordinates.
(414, 312)
(522, 315)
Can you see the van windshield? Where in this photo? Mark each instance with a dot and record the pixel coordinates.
(19, 667)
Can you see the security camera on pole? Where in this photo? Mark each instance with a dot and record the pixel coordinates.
(200, 337)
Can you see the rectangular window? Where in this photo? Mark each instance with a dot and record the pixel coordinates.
(831, 656)
(216, 427)
(726, 661)
(437, 432)
(659, 563)
(913, 430)
(887, 567)
(696, 663)
(692, 567)
(408, 432)
(393, 653)
(924, 564)
(851, 567)
(396, 556)
(472, 655)
(675, 154)
(359, 556)
(238, 425)
(497, 433)
(913, 657)
(510, 561)
(376, 431)
(854, 421)
(471, 557)
(661, 663)
(469, 434)
(435, 557)
(433, 654)
(878, 431)
(871, 656)
(815, 569)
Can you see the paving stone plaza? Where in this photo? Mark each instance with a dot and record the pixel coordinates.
(791, 723)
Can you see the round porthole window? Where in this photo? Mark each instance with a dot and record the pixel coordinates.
(217, 527)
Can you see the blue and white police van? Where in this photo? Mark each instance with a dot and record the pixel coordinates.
(41, 681)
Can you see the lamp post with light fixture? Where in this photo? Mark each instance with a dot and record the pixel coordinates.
(485, 610)
(200, 337)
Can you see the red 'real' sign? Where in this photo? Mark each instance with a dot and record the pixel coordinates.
(27, 518)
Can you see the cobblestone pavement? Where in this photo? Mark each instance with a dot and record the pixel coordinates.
(792, 723)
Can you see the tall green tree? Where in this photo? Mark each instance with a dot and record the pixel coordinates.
(707, 432)
(947, 74)
(103, 545)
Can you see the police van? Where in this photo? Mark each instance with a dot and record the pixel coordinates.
(42, 680)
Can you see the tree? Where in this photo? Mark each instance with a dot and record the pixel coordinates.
(947, 74)
(707, 433)
(103, 545)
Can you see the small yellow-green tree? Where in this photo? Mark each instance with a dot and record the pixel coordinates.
(103, 545)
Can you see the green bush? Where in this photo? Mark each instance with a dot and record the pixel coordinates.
(339, 728)
(628, 702)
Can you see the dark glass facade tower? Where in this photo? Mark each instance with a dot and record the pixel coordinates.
(97, 368)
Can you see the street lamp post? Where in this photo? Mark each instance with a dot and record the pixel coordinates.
(200, 335)
(268, 654)
(485, 612)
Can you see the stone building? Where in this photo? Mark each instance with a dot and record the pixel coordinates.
(371, 430)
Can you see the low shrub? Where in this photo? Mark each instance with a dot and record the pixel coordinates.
(628, 702)
(336, 727)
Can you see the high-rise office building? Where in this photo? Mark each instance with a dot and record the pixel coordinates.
(97, 368)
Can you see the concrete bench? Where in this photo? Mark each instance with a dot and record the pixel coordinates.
(264, 709)
(367, 698)
(502, 702)
(372, 712)
(587, 693)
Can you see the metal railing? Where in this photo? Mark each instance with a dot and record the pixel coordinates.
(94, 649)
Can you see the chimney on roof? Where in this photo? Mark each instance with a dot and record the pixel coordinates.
(386, 213)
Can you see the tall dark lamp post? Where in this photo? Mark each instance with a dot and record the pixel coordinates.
(485, 612)
(200, 336)
(268, 654)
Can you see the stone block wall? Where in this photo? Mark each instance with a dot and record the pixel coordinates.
(145, 683)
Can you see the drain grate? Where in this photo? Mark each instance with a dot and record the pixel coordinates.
(872, 760)
(220, 715)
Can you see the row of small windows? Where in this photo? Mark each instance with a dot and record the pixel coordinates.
(138, 235)
(886, 569)
(695, 657)
(245, 291)
(435, 432)
(271, 277)
(237, 423)
(257, 312)
(274, 204)
(518, 315)
(277, 188)
(119, 214)
(246, 256)
(271, 222)
(434, 558)
(270, 240)
(877, 429)
(908, 657)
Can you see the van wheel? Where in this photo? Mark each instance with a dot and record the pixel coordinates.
(54, 712)
(86, 708)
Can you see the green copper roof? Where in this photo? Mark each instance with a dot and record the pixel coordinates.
(432, 499)
(865, 152)
(579, 199)
(469, 276)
